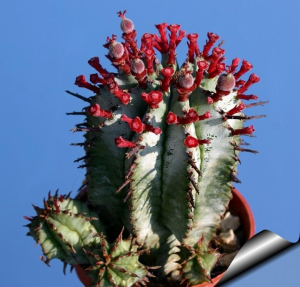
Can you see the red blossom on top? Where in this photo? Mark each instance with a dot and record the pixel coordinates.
(173, 28)
(252, 80)
(162, 41)
(231, 69)
(167, 73)
(202, 66)
(95, 63)
(246, 66)
(193, 46)
(82, 83)
(212, 39)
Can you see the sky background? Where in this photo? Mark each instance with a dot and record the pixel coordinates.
(46, 44)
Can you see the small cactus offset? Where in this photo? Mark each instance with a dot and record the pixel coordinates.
(162, 143)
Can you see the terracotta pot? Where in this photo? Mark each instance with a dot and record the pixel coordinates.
(239, 206)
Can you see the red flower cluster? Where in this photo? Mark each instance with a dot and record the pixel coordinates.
(138, 126)
(190, 117)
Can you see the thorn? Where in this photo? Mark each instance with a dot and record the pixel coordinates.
(27, 218)
(134, 150)
(243, 142)
(46, 261)
(93, 129)
(193, 164)
(245, 149)
(261, 103)
(192, 180)
(128, 195)
(83, 166)
(235, 179)
(153, 267)
(190, 197)
(82, 158)
(65, 267)
(79, 97)
(244, 118)
(123, 185)
(88, 144)
(236, 147)
(236, 158)
(130, 171)
(81, 125)
(76, 114)
(151, 275)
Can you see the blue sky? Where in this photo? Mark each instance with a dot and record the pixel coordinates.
(46, 44)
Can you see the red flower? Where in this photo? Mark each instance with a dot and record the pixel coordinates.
(120, 142)
(171, 118)
(95, 111)
(156, 131)
(135, 124)
(246, 66)
(252, 80)
(191, 142)
(82, 83)
(212, 39)
(231, 69)
(124, 98)
(205, 116)
(202, 66)
(247, 97)
(191, 116)
(167, 73)
(236, 109)
(153, 98)
(162, 41)
(244, 131)
(95, 63)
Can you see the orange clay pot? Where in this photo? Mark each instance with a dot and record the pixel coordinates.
(239, 207)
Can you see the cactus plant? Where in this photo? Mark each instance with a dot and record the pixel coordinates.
(162, 143)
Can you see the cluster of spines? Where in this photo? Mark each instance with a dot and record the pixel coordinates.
(117, 264)
(55, 225)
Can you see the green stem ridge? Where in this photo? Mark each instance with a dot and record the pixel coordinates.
(146, 181)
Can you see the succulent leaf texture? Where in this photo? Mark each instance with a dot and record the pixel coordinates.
(162, 145)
